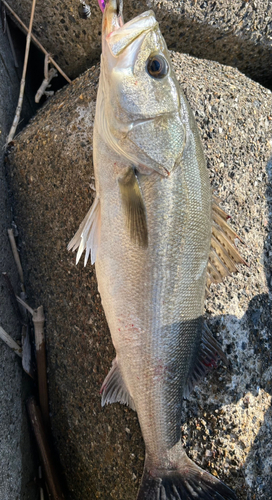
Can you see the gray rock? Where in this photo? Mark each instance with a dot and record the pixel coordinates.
(226, 425)
(16, 460)
(237, 33)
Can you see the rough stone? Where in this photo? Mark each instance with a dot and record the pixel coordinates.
(226, 426)
(237, 33)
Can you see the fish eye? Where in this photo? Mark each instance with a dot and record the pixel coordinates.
(157, 66)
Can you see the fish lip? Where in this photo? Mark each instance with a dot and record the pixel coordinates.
(113, 19)
(113, 16)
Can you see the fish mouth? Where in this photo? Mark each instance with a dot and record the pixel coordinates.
(119, 35)
(113, 17)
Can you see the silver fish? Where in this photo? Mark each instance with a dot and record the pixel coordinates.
(156, 240)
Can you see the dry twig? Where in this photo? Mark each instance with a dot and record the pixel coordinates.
(36, 41)
(16, 256)
(10, 342)
(48, 75)
(41, 489)
(38, 322)
(45, 453)
(27, 362)
(22, 86)
(26, 306)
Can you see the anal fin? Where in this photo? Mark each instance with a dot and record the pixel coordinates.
(114, 389)
(210, 352)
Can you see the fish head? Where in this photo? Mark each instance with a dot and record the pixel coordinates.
(141, 117)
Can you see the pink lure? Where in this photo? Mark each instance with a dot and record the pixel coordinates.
(101, 4)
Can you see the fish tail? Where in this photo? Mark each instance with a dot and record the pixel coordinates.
(186, 482)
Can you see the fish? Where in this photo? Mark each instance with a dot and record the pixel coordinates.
(158, 238)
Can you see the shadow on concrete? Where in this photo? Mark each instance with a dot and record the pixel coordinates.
(259, 318)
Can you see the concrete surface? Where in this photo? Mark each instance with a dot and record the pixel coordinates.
(236, 33)
(227, 425)
(16, 460)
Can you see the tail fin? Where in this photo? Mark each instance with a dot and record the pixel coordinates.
(188, 482)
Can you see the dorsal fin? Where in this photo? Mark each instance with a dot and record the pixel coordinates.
(223, 254)
(221, 221)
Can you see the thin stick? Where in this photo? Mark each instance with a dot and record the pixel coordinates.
(41, 489)
(38, 321)
(48, 75)
(27, 352)
(22, 86)
(10, 342)
(35, 40)
(16, 254)
(45, 452)
(26, 306)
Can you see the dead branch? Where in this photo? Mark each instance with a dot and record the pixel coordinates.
(16, 256)
(41, 489)
(36, 41)
(45, 452)
(48, 75)
(38, 322)
(10, 342)
(26, 306)
(27, 362)
(22, 85)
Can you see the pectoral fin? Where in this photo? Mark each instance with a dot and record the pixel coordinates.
(134, 208)
(88, 234)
